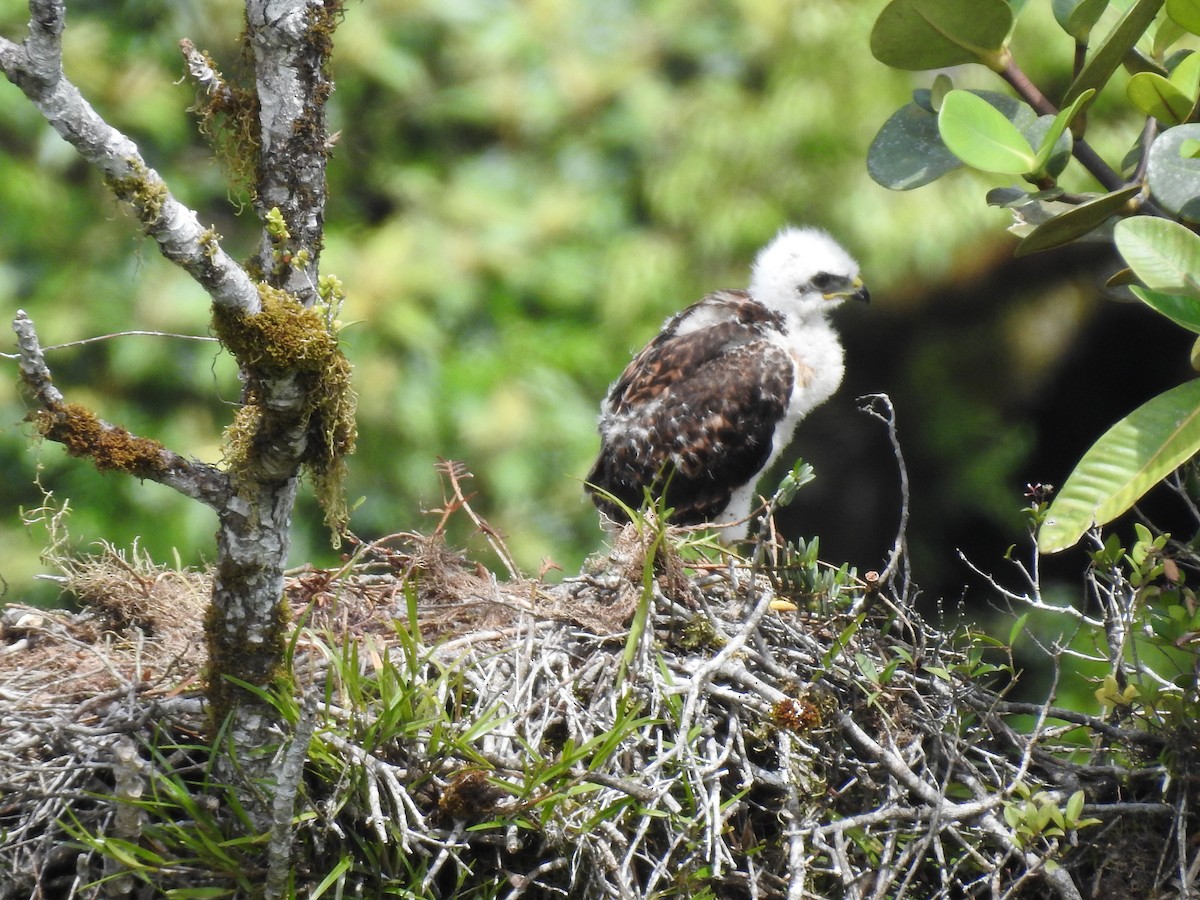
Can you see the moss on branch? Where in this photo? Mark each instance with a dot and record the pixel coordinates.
(286, 338)
(110, 448)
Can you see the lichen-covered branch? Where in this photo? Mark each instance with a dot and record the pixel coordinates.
(35, 66)
(201, 69)
(109, 447)
(291, 44)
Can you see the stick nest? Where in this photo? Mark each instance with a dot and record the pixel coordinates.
(653, 727)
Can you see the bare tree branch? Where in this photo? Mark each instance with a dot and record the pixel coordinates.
(108, 446)
(35, 66)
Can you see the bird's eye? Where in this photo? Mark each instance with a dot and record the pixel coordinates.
(823, 282)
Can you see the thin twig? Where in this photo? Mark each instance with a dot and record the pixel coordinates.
(870, 404)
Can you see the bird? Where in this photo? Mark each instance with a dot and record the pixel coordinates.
(710, 403)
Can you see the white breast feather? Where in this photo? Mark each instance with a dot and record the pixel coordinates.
(819, 364)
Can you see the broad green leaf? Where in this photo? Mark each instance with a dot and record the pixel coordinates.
(908, 151)
(1075, 223)
(1185, 13)
(1163, 254)
(1183, 311)
(1174, 176)
(1113, 50)
(1157, 96)
(1168, 32)
(932, 34)
(1078, 16)
(1186, 76)
(980, 135)
(1129, 459)
(1058, 129)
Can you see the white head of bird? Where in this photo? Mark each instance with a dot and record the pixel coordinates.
(803, 273)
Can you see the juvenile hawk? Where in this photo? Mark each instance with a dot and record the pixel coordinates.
(710, 403)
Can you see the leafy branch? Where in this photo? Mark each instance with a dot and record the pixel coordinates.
(1149, 203)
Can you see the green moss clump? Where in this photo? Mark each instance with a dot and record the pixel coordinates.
(284, 338)
(110, 448)
(699, 632)
(210, 243)
(229, 119)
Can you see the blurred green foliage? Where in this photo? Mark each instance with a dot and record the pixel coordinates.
(520, 194)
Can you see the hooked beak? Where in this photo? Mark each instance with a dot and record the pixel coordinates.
(854, 290)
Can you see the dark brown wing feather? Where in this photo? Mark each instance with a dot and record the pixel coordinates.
(695, 412)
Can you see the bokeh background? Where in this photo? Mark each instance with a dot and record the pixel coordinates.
(520, 194)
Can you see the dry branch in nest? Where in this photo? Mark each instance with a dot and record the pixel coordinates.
(455, 735)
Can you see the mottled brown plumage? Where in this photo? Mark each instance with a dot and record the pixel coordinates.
(717, 392)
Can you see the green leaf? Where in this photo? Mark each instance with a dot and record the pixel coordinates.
(1057, 154)
(1012, 815)
(1163, 254)
(1009, 198)
(942, 85)
(1108, 56)
(1077, 17)
(1075, 223)
(1018, 628)
(1129, 459)
(1058, 129)
(980, 135)
(1183, 311)
(908, 151)
(1185, 13)
(1075, 806)
(932, 34)
(1156, 96)
(1174, 176)
(1168, 32)
(1186, 76)
(337, 872)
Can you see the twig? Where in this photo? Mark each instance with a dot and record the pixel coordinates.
(870, 404)
(455, 473)
(110, 446)
(206, 77)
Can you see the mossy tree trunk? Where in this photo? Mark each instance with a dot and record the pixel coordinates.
(275, 315)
